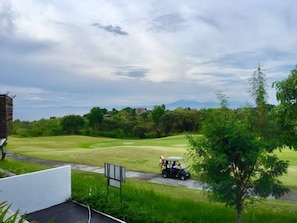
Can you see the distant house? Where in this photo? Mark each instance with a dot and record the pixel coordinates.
(139, 111)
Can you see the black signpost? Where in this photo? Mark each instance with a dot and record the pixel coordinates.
(115, 176)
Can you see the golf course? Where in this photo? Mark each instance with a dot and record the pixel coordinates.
(143, 200)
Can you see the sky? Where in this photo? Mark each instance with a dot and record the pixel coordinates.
(62, 57)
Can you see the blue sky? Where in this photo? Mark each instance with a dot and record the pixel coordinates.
(62, 57)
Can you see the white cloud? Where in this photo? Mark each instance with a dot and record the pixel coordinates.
(105, 53)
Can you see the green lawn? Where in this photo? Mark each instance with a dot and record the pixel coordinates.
(149, 202)
(143, 200)
(139, 155)
(290, 179)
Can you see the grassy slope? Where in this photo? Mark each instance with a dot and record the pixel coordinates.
(140, 155)
(149, 202)
(290, 179)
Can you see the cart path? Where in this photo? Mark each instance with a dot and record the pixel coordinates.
(154, 178)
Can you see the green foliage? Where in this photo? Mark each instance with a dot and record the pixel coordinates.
(18, 167)
(117, 124)
(231, 160)
(232, 155)
(13, 218)
(157, 113)
(95, 117)
(43, 127)
(146, 202)
(285, 114)
(259, 94)
(72, 124)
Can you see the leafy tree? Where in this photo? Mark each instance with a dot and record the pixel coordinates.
(127, 127)
(45, 127)
(285, 112)
(259, 93)
(233, 155)
(126, 114)
(140, 130)
(156, 115)
(167, 121)
(72, 124)
(231, 161)
(95, 117)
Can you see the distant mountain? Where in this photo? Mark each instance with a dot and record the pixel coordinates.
(198, 105)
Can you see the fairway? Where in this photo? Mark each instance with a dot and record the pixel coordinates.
(289, 179)
(139, 155)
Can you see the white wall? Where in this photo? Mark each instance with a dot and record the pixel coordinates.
(36, 191)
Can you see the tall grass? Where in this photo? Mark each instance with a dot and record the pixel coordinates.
(20, 167)
(155, 203)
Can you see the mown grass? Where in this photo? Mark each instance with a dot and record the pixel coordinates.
(289, 179)
(139, 155)
(149, 202)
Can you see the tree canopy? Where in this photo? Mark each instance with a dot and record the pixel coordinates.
(285, 113)
(232, 156)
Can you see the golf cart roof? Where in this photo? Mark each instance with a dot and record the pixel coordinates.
(174, 158)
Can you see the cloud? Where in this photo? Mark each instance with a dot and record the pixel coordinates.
(7, 18)
(174, 50)
(167, 23)
(133, 72)
(208, 20)
(116, 30)
(12, 45)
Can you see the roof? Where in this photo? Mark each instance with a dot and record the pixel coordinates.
(174, 158)
(70, 212)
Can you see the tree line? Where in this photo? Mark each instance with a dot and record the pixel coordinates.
(124, 123)
(157, 122)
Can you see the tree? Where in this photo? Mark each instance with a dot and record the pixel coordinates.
(95, 117)
(285, 113)
(72, 124)
(233, 155)
(231, 161)
(259, 93)
(156, 114)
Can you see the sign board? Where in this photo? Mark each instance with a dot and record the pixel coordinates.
(115, 176)
(115, 172)
(115, 183)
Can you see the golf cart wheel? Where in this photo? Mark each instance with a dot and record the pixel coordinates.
(182, 177)
(164, 175)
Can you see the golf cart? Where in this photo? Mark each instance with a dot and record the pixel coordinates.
(175, 167)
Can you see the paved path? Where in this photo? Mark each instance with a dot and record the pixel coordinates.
(129, 174)
(291, 196)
